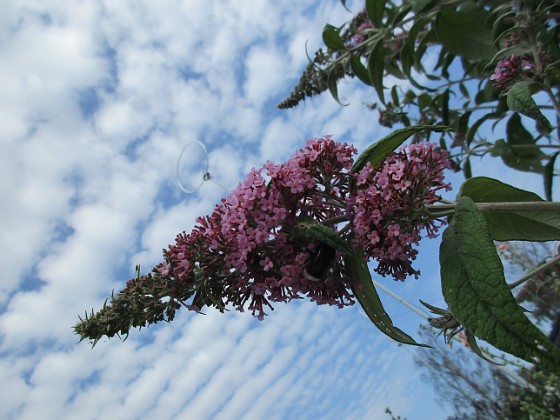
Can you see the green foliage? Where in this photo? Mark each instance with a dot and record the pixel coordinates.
(379, 150)
(331, 38)
(464, 33)
(519, 98)
(375, 68)
(497, 60)
(505, 225)
(475, 289)
(520, 151)
(375, 11)
(504, 51)
(367, 296)
(476, 390)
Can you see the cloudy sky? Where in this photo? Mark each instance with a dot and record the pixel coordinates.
(98, 99)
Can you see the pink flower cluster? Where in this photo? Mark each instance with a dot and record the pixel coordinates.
(246, 252)
(510, 69)
(359, 25)
(249, 252)
(387, 211)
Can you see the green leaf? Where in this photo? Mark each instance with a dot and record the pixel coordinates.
(400, 15)
(474, 128)
(473, 345)
(467, 170)
(332, 39)
(464, 90)
(552, 72)
(519, 99)
(374, 10)
(407, 52)
(395, 96)
(434, 309)
(487, 94)
(344, 4)
(463, 122)
(464, 35)
(512, 225)
(332, 84)
(367, 296)
(500, 26)
(525, 154)
(359, 69)
(379, 150)
(445, 107)
(476, 291)
(375, 68)
(312, 229)
(407, 59)
(422, 5)
(549, 175)
(424, 101)
(513, 159)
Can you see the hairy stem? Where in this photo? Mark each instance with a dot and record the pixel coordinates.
(534, 272)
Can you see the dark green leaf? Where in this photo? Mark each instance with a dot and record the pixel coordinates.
(402, 13)
(408, 50)
(434, 309)
(464, 90)
(407, 59)
(473, 345)
(487, 94)
(500, 26)
(424, 101)
(374, 10)
(516, 160)
(332, 39)
(422, 5)
(442, 143)
(463, 122)
(464, 35)
(405, 120)
(393, 69)
(475, 289)
(552, 72)
(395, 96)
(474, 128)
(332, 84)
(445, 107)
(359, 69)
(512, 225)
(409, 96)
(375, 67)
(379, 150)
(426, 39)
(526, 153)
(519, 99)
(549, 175)
(367, 296)
(467, 170)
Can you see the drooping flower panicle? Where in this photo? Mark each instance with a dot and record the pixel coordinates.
(251, 250)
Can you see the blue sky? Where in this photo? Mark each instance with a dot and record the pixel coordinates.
(98, 100)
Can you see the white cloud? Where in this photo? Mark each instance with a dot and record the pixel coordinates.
(99, 97)
(266, 72)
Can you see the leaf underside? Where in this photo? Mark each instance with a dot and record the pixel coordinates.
(475, 289)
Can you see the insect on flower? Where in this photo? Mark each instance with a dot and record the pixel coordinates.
(320, 263)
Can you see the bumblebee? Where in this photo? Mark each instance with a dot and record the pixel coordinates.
(320, 263)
